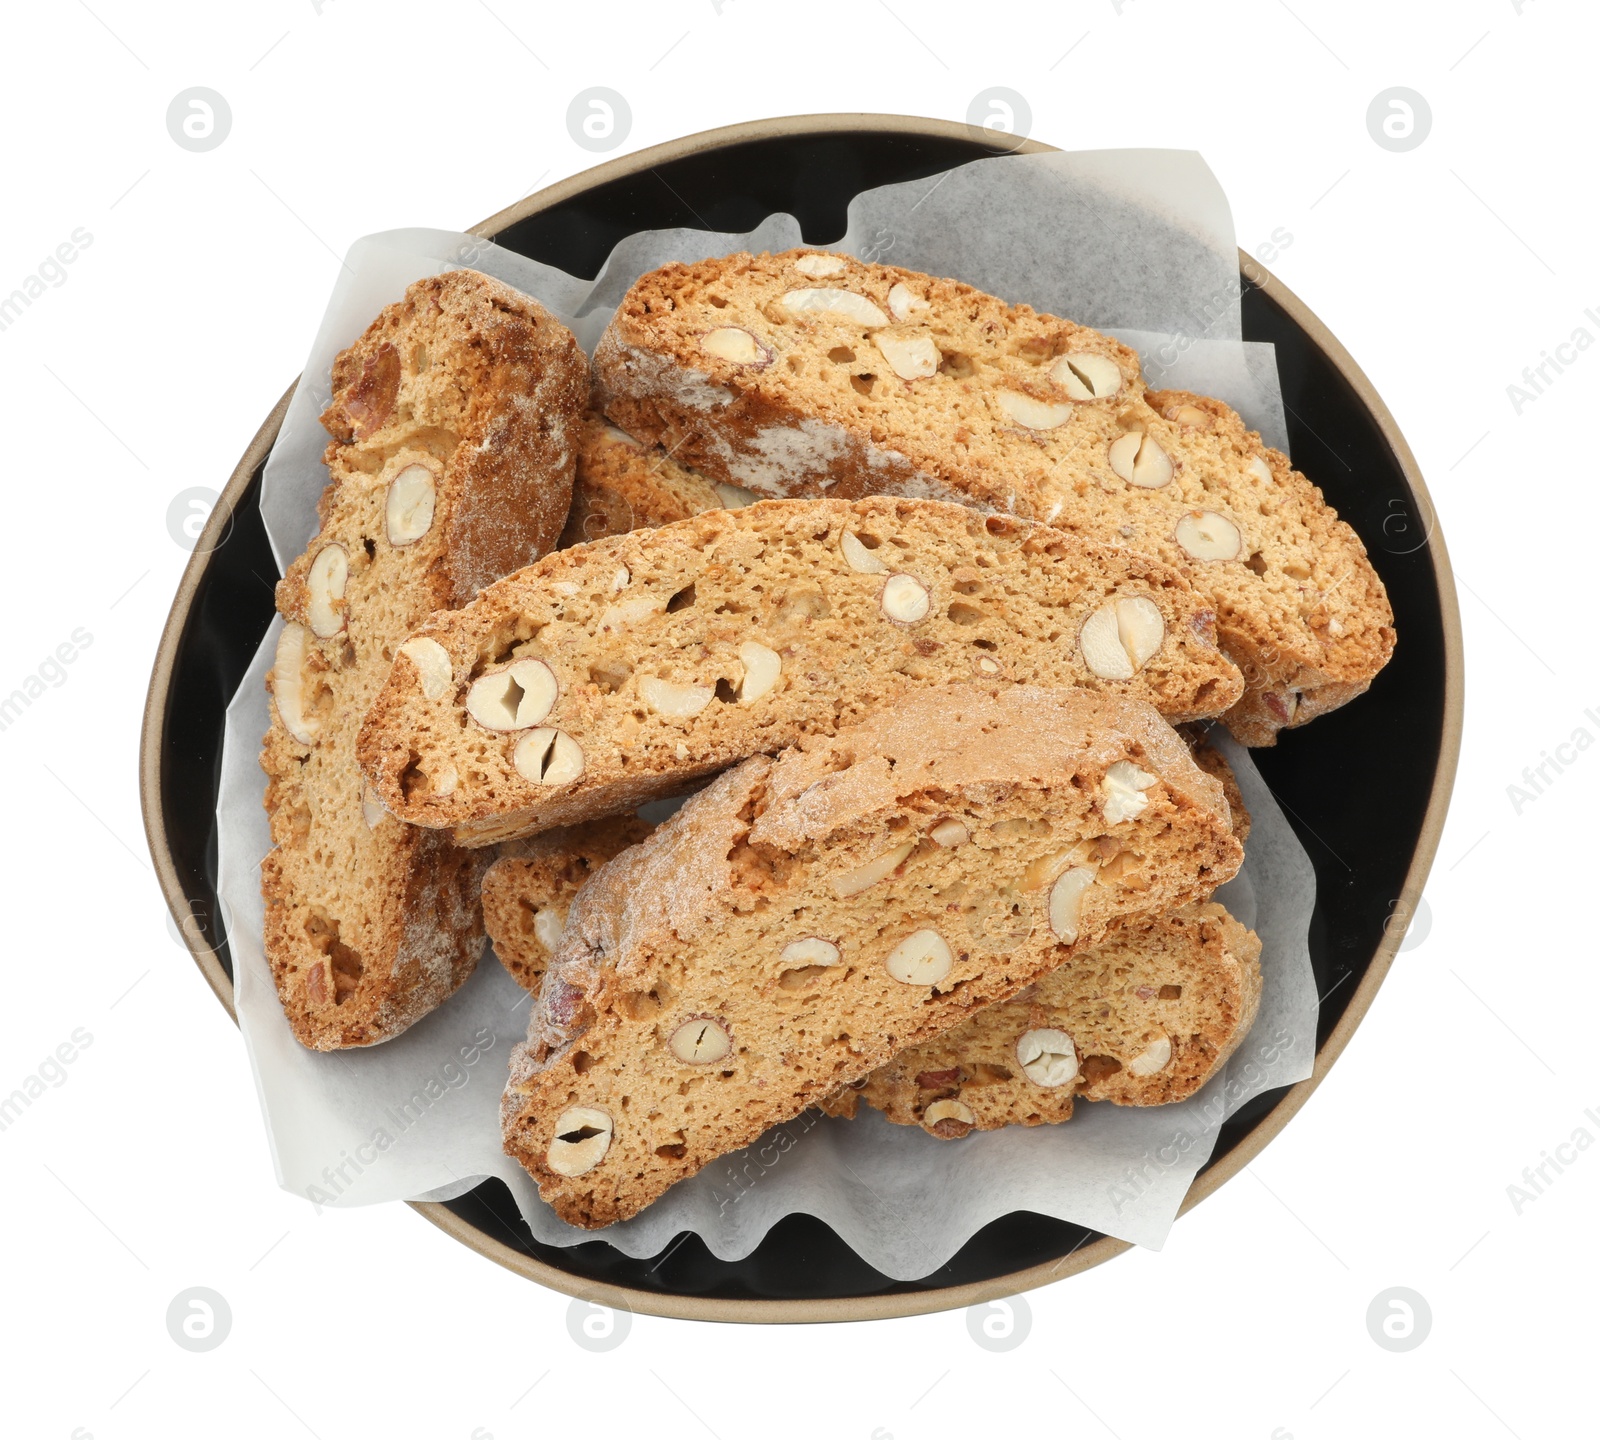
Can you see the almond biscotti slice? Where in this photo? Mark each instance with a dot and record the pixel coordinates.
(529, 889)
(802, 920)
(455, 418)
(808, 373)
(623, 670)
(1144, 1018)
(623, 484)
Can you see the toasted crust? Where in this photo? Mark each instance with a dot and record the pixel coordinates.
(618, 619)
(370, 923)
(693, 927)
(816, 405)
(1189, 981)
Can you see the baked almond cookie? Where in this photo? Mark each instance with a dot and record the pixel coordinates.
(804, 919)
(455, 420)
(1144, 1018)
(623, 484)
(810, 373)
(529, 889)
(623, 670)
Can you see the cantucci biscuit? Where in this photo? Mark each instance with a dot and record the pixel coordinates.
(1144, 1018)
(455, 420)
(529, 889)
(623, 484)
(1189, 982)
(804, 919)
(808, 373)
(623, 670)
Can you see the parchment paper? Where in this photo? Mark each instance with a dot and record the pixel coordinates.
(1139, 243)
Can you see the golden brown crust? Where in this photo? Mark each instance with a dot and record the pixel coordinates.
(692, 933)
(472, 393)
(816, 404)
(625, 621)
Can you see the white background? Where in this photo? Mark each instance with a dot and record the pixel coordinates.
(1445, 269)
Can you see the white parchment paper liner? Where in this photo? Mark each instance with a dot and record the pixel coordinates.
(1138, 243)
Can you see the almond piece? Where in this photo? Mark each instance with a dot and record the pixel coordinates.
(818, 265)
(547, 927)
(813, 950)
(729, 342)
(1123, 790)
(1206, 535)
(325, 582)
(408, 509)
(762, 667)
(583, 1135)
(1260, 469)
(734, 497)
(1155, 1057)
(1119, 638)
(1066, 899)
(853, 882)
(677, 701)
(832, 303)
(548, 756)
(948, 1119)
(924, 957)
(1048, 1057)
(902, 302)
(911, 357)
(289, 686)
(1086, 376)
(701, 1041)
(519, 696)
(372, 810)
(859, 558)
(434, 672)
(1033, 414)
(1136, 458)
(905, 599)
(949, 833)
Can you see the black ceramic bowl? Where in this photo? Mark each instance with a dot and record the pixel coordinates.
(1400, 741)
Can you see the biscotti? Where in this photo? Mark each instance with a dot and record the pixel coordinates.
(455, 419)
(1144, 1018)
(803, 919)
(622, 670)
(808, 373)
(529, 889)
(623, 484)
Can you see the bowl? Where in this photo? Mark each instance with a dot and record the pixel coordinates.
(1402, 738)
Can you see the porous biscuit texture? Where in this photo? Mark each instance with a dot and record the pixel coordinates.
(455, 420)
(805, 918)
(623, 484)
(529, 889)
(626, 669)
(809, 373)
(1144, 1018)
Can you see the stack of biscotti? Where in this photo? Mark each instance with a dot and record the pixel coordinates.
(803, 920)
(455, 420)
(1145, 1018)
(811, 373)
(629, 668)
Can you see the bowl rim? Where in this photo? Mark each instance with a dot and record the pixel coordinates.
(864, 1307)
